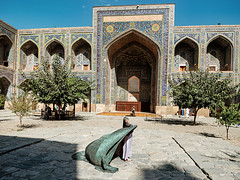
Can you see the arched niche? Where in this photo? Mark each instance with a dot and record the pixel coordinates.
(5, 47)
(219, 54)
(4, 86)
(81, 55)
(132, 56)
(134, 87)
(29, 56)
(186, 54)
(53, 49)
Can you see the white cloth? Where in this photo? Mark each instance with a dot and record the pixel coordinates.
(127, 147)
(187, 112)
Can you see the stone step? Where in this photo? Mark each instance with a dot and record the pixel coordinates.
(128, 113)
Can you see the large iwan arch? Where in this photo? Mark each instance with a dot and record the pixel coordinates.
(132, 55)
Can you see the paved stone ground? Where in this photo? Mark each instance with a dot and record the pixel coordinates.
(45, 153)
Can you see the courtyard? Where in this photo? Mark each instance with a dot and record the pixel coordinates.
(170, 148)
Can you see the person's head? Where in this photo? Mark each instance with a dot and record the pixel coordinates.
(125, 120)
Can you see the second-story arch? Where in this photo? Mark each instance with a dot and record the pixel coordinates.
(53, 49)
(81, 55)
(219, 54)
(5, 47)
(186, 54)
(28, 56)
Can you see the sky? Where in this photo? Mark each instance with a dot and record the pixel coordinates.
(31, 14)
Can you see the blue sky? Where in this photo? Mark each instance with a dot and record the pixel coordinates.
(27, 14)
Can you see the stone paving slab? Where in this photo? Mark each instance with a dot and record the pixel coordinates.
(156, 155)
(220, 159)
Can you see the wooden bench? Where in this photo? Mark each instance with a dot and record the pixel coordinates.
(70, 114)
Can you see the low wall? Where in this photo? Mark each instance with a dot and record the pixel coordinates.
(166, 110)
(172, 110)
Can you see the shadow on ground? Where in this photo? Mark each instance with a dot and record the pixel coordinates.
(165, 172)
(208, 135)
(6, 119)
(76, 118)
(25, 126)
(30, 158)
(172, 121)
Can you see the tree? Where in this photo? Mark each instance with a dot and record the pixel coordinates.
(201, 89)
(21, 106)
(2, 100)
(229, 115)
(56, 84)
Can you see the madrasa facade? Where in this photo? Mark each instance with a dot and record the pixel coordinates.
(129, 53)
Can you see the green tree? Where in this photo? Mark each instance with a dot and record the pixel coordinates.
(201, 89)
(56, 84)
(229, 115)
(2, 100)
(21, 106)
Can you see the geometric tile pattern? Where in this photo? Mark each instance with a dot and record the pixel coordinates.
(24, 38)
(194, 36)
(60, 37)
(213, 34)
(5, 31)
(77, 36)
(102, 40)
(146, 27)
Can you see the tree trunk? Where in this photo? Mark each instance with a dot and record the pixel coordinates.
(20, 118)
(74, 110)
(227, 128)
(59, 114)
(195, 116)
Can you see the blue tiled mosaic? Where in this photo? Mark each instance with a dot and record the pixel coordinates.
(100, 36)
(77, 36)
(34, 38)
(60, 37)
(179, 37)
(146, 27)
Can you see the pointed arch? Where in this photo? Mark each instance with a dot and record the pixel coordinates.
(29, 55)
(186, 53)
(79, 39)
(133, 35)
(132, 54)
(54, 40)
(219, 36)
(28, 41)
(134, 84)
(7, 37)
(54, 47)
(187, 37)
(81, 53)
(5, 48)
(220, 54)
(128, 32)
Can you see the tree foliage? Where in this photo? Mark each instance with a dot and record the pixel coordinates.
(56, 84)
(229, 115)
(201, 89)
(2, 100)
(21, 106)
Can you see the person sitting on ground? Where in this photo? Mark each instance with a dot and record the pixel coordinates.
(133, 111)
